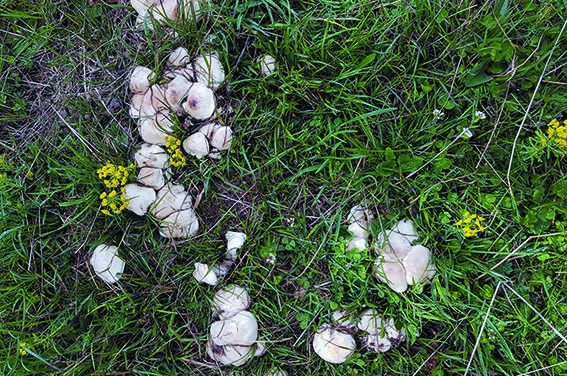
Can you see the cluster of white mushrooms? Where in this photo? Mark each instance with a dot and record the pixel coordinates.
(211, 275)
(234, 335)
(400, 263)
(164, 11)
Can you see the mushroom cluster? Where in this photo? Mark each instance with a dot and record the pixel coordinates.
(400, 263)
(183, 96)
(359, 220)
(164, 11)
(381, 333)
(212, 274)
(106, 263)
(234, 335)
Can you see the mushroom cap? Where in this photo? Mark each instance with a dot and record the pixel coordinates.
(386, 338)
(356, 243)
(208, 129)
(200, 102)
(203, 273)
(396, 247)
(407, 229)
(151, 156)
(235, 240)
(136, 105)
(417, 264)
(332, 345)
(371, 322)
(179, 57)
(140, 198)
(140, 79)
(154, 101)
(209, 69)
(391, 272)
(176, 91)
(181, 224)
(235, 355)
(156, 129)
(267, 65)
(165, 10)
(197, 145)
(230, 300)
(221, 138)
(151, 177)
(142, 6)
(106, 263)
(341, 318)
(170, 199)
(240, 329)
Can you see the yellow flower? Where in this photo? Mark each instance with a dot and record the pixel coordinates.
(471, 224)
(104, 211)
(22, 350)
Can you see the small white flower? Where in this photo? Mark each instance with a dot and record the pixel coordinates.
(479, 115)
(438, 114)
(467, 133)
(271, 258)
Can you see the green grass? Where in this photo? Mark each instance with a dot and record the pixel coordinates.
(347, 118)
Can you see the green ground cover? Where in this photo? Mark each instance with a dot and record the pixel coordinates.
(423, 110)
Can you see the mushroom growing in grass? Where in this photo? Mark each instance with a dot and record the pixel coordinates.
(333, 345)
(267, 65)
(221, 138)
(181, 224)
(156, 129)
(140, 79)
(106, 263)
(230, 300)
(153, 101)
(151, 177)
(197, 145)
(200, 102)
(400, 263)
(170, 199)
(381, 334)
(211, 275)
(140, 198)
(359, 219)
(209, 70)
(149, 155)
(239, 329)
(179, 57)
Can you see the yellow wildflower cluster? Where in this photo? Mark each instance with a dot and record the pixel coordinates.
(557, 133)
(22, 350)
(114, 176)
(113, 201)
(471, 224)
(176, 158)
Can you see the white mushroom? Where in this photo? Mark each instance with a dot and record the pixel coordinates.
(208, 129)
(151, 177)
(203, 273)
(179, 57)
(341, 318)
(136, 106)
(177, 91)
(154, 101)
(140, 198)
(106, 263)
(267, 65)
(151, 156)
(221, 138)
(209, 69)
(235, 241)
(165, 10)
(359, 219)
(332, 345)
(140, 79)
(170, 199)
(200, 102)
(417, 266)
(156, 129)
(381, 334)
(231, 300)
(181, 224)
(392, 273)
(197, 145)
(240, 329)
(230, 354)
(142, 6)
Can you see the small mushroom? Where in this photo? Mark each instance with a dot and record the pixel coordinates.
(140, 79)
(136, 106)
(209, 69)
(230, 300)
(165, 10)
(235, 241)
(151, 177)
(341, 318)
(140, 198)
(106, 263)
(177, 91)
(203, 273)
(208, 129)
(359, 219)
(151, 156)
(154, 101)
(179, 57)
(417, 266)
(142, 6)
(156, 129)
(200, 102)
(381, 334)
(170, 199)
(234, 355)
(240, 329)
(332, 345)
(221, 138)
(197, 145)
(181, 224)
(392, 273)
(267, 65)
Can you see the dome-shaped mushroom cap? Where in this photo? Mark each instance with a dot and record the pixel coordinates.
(165, 10)
(142, 6)
(209, 69)
(203, 273)
(153, 101)
(341, 318)
(416, 263)
(392, 273)
(106, 263)
(230, 354)
(151, 156)
(371, 322)
(156, 129)
(208, 129)
(197, 145)
(332, 345)
(221, 138)
(267, 65)
(386, 337)
(136, 105)
(179, 57)
(151, 177)
(171, 198)
(240, 329)
(407, 229)
(397, 243)
(230, 300)
(235, 239)
(357, 243)
(176, 91)
(200, 102)
(181, 224)
(140, 198)
(140, 79)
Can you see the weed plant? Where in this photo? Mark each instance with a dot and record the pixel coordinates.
(430, 111)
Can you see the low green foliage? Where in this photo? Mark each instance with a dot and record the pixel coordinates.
(421, 110)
